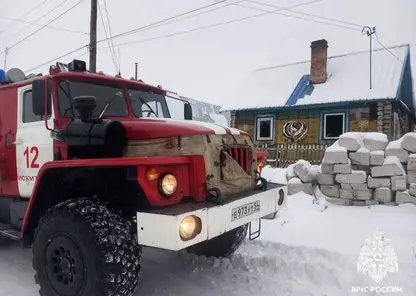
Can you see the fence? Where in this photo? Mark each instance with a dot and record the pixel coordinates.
(283, 155)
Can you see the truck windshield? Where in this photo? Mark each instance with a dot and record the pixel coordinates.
(102, 92)
(148, 104)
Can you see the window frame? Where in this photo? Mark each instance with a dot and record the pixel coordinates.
(272, 128)
(325, 115)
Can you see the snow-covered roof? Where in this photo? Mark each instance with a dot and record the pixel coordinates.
(348, 80)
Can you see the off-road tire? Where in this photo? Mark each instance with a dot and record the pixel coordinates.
(101, 254)
(221, 246)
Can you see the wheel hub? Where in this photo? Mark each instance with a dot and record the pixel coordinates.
(65, 266)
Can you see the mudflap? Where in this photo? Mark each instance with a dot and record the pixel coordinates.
(253, 234)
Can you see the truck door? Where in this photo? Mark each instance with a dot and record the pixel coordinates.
(34, 144)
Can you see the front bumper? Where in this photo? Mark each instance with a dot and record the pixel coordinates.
(160, 228)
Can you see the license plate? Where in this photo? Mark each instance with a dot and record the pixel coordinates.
(245, 210)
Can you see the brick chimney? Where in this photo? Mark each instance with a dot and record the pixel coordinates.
(319, 51)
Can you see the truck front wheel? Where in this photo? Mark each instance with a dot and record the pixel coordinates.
(82, 248)
(221, 246)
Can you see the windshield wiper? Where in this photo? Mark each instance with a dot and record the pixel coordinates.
(68, 96)
(110, 102)
(148, 106)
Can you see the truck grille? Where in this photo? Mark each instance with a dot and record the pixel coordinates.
(242, 156)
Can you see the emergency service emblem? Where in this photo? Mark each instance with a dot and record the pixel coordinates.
(377, 257)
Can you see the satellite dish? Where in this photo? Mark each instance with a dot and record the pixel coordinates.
(31, 75)
(15, 75)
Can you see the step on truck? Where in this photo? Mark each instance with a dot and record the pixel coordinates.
(93, 169)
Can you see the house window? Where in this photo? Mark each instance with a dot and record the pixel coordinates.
(265, 128)
(334, 125)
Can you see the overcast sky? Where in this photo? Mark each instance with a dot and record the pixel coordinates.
(207, 64)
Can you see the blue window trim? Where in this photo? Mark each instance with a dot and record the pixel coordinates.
(331, 111)
(255, 125)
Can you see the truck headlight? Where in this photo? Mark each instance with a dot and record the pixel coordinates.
(168, 184)
(190, 227)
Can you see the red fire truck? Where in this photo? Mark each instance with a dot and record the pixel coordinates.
(92, 168)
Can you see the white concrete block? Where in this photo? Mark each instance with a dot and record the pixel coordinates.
(378, 182)
(330, 190)
(363, 194)
(355, 194)
(394, 148)
(361, 157)
(375, 141)
(336, 154)
(352, 141)
(411, 177)
(304, 171)
(345, 193)
(383, 194)
(327, 168)
(376, 157)
(360, 186)
(353, 178)
(409, 142)
(344, 168)
(346, 186)
(290, 173)
(412, 189)
(398, 183)
(325, 179)
(391, 167)
(295, 185)
(404, 197)
(411, 162)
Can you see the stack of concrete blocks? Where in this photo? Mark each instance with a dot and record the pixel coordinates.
(365, 169)
(301, 176)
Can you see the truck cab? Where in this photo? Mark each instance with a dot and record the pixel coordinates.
(93, 168)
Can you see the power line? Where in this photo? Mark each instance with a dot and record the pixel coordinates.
(309, 14)
(164, 20)
(26, 14)
(297, 17)
(148, 27)
(57, 58)
(44, 15)
(378, 41)
(106, 36)
(39, 25)
(30, 35)
(217, 25)
(109, 29)
(188, 16)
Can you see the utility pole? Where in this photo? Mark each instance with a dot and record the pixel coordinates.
(119, 62)
(135, 70)
(93, 36)
(5, 58)
(369, 32)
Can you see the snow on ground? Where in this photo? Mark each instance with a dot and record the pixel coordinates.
(311, 248)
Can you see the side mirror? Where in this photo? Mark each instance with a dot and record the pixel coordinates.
(41, 88)
(187, 111)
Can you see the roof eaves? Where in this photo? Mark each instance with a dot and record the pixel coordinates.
(317, 105)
